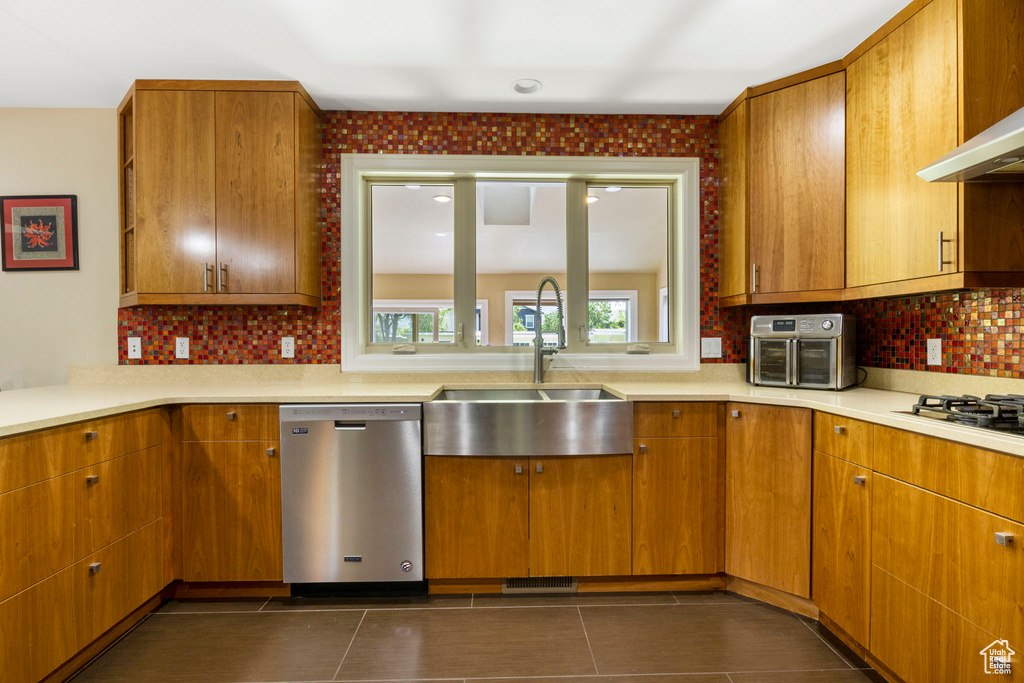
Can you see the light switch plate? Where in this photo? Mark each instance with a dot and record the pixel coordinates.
(711, 347)
(181, 348)
(134, 348)
(934, 352)
(287, 347)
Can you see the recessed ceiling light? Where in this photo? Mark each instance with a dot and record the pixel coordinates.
(527, 86)
(412, 187)
(443, 198)
(591, 199)
(612, 188)
(1007, 160)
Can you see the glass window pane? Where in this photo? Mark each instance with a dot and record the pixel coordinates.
(413, 257)
(628, 233)
(520, 238)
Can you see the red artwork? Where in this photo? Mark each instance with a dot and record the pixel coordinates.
(40, 232)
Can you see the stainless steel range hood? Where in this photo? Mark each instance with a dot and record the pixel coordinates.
(994, 155)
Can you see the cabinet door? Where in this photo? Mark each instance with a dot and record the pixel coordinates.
(231, 511)
(901, 116)
(675, 506)
(768, 496)
(580, 516)
(256, 192)
(476, 513)
(798, 186)
(842, 543)
(734, 136)
(37, 629)
(174, 190)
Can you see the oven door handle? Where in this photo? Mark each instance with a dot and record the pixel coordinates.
(793, 362)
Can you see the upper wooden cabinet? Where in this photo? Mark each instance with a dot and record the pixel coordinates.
(219, 193)
(783, 195)
(938, 79)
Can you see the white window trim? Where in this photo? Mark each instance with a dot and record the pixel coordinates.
(629, 295)
(482, 304)
(685, 276)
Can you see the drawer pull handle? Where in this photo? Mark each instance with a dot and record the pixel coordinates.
(519, 469)
(675, 413)
(540, 468)
(231, 416)
(94, 567)
(92, 479)
(92, 436)
(643, 448)
(735, 413)
(840, 429)
(860, 481)
(1003, 538)
(271, 451)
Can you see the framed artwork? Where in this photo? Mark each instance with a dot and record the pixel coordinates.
(40, 232)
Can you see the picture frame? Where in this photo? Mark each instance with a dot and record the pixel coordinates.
(40, 232)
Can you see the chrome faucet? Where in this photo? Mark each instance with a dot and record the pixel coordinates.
(538, 341)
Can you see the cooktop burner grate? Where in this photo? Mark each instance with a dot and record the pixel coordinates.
(995, 411)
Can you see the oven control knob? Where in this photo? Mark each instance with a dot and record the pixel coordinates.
(827, 324)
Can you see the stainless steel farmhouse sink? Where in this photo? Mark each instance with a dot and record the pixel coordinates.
(524, 422)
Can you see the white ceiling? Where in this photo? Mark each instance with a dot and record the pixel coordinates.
(412, 233)
(596, 56)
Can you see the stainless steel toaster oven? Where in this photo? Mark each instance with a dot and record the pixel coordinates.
(808, 351)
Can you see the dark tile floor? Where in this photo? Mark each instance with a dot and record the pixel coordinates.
(588, 638)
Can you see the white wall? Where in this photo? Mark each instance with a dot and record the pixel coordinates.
(50, 320)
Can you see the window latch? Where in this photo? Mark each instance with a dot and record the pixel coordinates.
(583, 333)
(641, 349)
(461, 333)
(403, 349)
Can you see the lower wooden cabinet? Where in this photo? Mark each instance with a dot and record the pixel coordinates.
(580, 515)
(231, 511)
(476, 521)
(676, 501)
(842, 544)
(37, 629)
(768, 496)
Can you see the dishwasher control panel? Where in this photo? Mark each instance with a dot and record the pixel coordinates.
(365, 411)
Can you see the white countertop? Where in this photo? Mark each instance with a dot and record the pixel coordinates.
(28, 410)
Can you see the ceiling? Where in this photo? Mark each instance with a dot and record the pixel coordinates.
(412, 233)
(593, 56)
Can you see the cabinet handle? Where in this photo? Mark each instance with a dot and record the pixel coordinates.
(675, 413)
(753, 278)
(519, 469)
(92, 436)
(860, 481)
(1003, 538)
(94, 567)
(735, 413)
(540, 468)
(206, 276)
(271, 451)
(231, 416)
(839, 429)
(221, 276)
(643, 448)
(941, 262)
(92, 479)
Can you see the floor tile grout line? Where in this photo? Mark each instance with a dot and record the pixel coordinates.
(589, 647)
(676, 598)
(828, 644)
(104, 650)
(264, 604)
(354, 634)
(472, 598)
(400, 609)
(729, 677)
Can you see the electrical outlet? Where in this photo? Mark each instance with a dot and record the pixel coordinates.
(287, 347)
(934, 352)
(181, 347)
(134, 347)
(711, 347)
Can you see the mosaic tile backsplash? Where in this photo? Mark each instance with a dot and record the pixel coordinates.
(981, 330)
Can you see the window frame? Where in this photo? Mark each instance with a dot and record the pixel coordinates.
(681, 174)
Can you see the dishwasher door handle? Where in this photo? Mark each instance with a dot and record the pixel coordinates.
(349, 426)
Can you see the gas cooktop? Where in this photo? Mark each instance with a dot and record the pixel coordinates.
(995, 412)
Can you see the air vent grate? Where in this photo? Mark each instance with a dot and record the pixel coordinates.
(548, 584)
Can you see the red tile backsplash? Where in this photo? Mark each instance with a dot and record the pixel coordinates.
(981, 330)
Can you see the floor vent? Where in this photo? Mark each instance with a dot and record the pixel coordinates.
(550, 584)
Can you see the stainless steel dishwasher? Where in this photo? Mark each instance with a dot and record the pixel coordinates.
(352, 493)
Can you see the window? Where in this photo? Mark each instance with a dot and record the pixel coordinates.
(441, 257)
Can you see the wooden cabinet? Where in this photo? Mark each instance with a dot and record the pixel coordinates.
(797, 189)
(476, 517)
(734, 238)
(841, 541)
(844, 438)
(230, 422)
(580, 516)
(947, 73)
(37, 629)
(220, 193)
(768, 496)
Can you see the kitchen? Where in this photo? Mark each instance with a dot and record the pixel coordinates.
(744, 456)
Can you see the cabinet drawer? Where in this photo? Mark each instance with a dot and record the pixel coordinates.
(115, 436)
(654, 419)
(37, 629)
(243, 422)
(115, 498)
(36, 529)
(843, 438)
(128, 573)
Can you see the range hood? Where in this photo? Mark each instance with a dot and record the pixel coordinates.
(994, 155)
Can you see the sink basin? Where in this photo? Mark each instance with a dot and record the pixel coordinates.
(527, 422)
